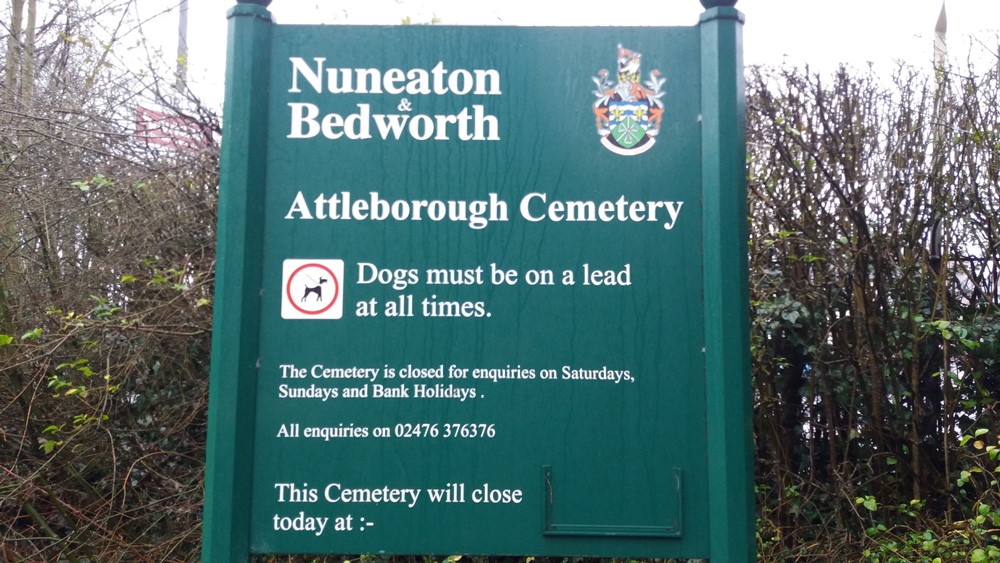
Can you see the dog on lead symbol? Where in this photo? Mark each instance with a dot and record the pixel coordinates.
(316, 289)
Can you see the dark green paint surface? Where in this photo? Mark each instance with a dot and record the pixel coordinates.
(622, 455)
(581, 467)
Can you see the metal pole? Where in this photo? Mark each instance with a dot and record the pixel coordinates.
(940, 41)
(182, 51)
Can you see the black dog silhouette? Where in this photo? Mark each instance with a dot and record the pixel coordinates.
(317, 289)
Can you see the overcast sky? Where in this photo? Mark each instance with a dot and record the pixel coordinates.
(796, 32)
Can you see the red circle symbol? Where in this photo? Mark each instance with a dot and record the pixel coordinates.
(315, 289)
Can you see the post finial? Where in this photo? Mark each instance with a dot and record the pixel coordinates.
(717, 3)
(261, 3)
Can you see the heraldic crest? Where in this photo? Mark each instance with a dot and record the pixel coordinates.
(627, 113)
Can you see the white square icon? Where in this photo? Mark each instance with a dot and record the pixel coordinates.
(312, 289)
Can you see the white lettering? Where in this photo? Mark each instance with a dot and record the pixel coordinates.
(536, 207)
(300, 68)
(306, 123)
(304, 114)
(439, 80)
(299, 206)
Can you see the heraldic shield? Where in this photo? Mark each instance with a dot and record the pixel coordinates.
(628, 113)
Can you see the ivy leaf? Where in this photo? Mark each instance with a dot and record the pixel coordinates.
(868, 501)
(790, 316)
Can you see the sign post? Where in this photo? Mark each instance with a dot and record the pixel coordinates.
(236, 319)
(481, 290)
(727, 338)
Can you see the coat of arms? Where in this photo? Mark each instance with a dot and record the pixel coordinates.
(628, 113)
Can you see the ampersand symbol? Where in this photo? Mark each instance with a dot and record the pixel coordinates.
(405, 105)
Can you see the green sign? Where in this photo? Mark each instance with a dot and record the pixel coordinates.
(481, 290)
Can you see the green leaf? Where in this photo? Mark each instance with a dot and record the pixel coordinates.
(970, 344)
(981, 431)
(871, 504)
(203, 302)
(6, 339)
(32, 334)
(128, 278)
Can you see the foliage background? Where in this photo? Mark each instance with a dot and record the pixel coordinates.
(874, 243)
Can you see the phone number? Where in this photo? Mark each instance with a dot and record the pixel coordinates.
(456, 430)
